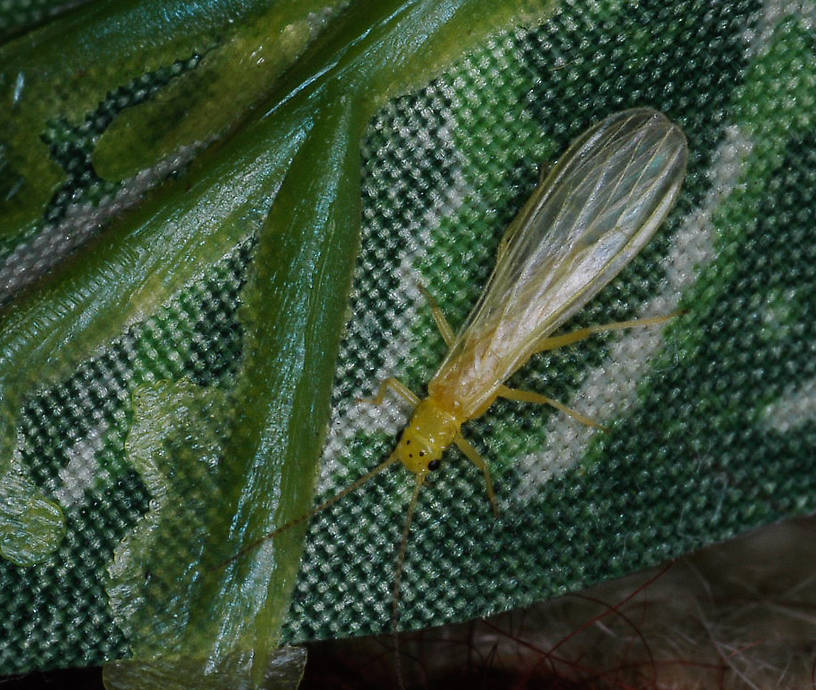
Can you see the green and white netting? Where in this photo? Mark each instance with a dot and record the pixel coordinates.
(712, 418)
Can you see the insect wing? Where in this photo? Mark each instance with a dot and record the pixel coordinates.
(595, 210)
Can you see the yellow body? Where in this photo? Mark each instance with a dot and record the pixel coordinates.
(431, 430)
(592, 214)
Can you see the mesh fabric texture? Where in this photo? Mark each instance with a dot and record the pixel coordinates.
(712, 433)
(712, 420)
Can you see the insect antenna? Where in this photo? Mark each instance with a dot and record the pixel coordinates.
(398, 580)
(314, 511)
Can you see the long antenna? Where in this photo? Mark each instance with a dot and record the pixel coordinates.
(307, 516)
(398, 579)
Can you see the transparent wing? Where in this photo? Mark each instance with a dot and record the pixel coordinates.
(595, 210)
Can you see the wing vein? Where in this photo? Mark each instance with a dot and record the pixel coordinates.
(596, 209)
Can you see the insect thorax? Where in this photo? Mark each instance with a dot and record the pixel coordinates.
(430, 431)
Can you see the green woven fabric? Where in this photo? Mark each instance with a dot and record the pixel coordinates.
(711, 419)
(712, 428)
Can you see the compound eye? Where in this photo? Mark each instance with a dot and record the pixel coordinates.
(434, 465)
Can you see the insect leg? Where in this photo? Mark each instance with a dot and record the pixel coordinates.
(473, 455)
(529, 396)
(439, 316)
(554, 342)
(395, 385)
(409, 518)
